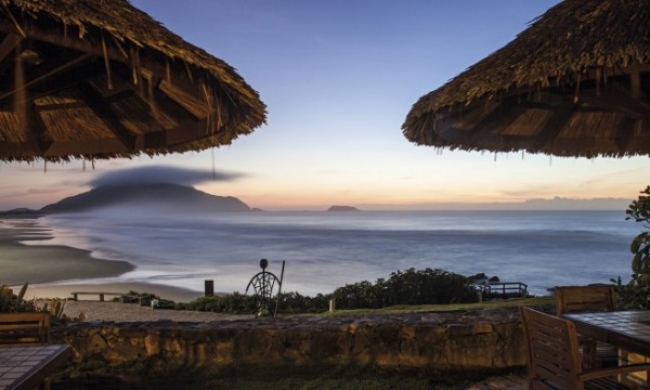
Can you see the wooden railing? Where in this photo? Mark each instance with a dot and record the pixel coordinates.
(505, 290)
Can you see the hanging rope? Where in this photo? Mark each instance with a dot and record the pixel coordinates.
(214, 168)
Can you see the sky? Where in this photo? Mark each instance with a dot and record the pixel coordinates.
(338, 78)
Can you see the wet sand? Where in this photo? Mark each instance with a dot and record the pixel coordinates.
(54, 271)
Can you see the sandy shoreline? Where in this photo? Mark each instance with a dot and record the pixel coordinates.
(54, 271)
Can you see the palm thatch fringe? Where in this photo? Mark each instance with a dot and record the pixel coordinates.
(103, 79)
(574, 83)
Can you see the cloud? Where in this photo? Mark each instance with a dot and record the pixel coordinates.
(161, 174)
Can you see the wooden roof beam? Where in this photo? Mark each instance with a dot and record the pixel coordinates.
(555, 124)
(184, 133)
(627, 132)
(103, 111)
(29, 122)
(87, 148)
(59, 106)
(190, 127)
(49, 74)
(9, 44)
(617, 100)
(171, 105)
(86, 45)
(503, 116)
(38, 130)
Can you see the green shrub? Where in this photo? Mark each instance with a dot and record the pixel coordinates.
(235, 303)
(10, 302)
(410, 287)
(635, 295)
(293, 302)
(361, 295)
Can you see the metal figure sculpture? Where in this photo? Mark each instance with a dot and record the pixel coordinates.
(264, 284)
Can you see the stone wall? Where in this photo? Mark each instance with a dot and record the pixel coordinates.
(440, 341)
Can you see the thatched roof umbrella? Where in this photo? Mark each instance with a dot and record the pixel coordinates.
(101, 79)
(575, 83)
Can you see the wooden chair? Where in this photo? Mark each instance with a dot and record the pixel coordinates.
(572, 299)
(20, 328)
(555, 361)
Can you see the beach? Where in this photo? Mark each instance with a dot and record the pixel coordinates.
(54, 271)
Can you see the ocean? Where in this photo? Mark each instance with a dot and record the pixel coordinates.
(326, 250)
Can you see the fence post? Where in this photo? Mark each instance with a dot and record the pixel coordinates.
(209, 288)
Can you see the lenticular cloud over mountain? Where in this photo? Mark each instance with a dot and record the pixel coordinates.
(157, 174)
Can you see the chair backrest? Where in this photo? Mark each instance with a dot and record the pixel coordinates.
(554, 361)
(585, 298)
(19, 328)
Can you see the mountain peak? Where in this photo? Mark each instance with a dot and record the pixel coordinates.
(147, 197)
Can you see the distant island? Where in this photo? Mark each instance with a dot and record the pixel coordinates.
(161, 197)
(343, 208)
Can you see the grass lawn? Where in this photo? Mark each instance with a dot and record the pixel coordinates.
(495, 304)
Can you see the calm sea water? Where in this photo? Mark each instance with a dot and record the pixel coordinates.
(326, 250)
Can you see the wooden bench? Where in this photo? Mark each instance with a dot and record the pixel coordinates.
(20, 328)
(76, 294)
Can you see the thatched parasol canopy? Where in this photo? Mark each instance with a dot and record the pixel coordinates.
(575, 83)
(100, 79)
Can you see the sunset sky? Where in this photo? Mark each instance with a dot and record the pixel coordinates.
(338, 78)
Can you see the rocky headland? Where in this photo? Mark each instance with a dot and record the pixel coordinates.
(143, 197)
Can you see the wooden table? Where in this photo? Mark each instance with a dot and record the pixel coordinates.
(629, 330)
(25, 367)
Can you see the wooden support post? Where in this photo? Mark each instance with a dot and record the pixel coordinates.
(209, 288)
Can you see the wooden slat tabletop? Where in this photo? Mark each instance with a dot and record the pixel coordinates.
(626, 329)
(26, 367)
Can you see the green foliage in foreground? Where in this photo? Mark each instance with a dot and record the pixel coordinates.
(636, 294)
(408, 287)
(10, 302)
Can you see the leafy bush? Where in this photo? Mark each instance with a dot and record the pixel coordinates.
(410, 287)
(232, 303)
(360, 295)
(10, 302)
(636, 294)
(293, 302)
